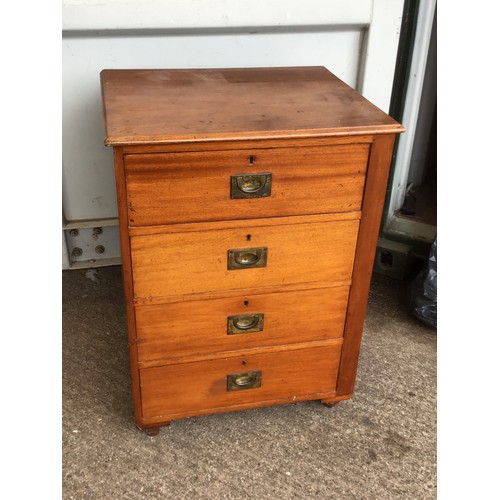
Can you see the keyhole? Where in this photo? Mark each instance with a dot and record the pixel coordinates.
(244, 363)
(249, 237)
(251, 160)
(245, 303)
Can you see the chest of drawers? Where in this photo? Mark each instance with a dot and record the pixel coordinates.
(249, 205)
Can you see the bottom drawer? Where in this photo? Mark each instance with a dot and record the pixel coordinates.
(176, 390)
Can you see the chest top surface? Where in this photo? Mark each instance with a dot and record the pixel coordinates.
(159, 106)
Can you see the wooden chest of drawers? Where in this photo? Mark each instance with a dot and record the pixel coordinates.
(249, 206)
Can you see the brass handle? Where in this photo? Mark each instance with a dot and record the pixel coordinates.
(245, 380)
(246, 258)
(245, 323)
(249, 258)
(251, 185)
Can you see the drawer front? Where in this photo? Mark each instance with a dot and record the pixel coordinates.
(174, 389)
(220, 185)
(227, 324)
(197, 262)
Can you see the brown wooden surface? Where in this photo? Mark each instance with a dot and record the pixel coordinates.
(373, 203)
(220, 294)
(194, 187)
(184, 132)
(190, 328)
(241, 143)
(153, 106)
(180, 263)
(192, 358)
(160, 421)
(121, 195)
(172, 390)
(249, 223)
(330, 402)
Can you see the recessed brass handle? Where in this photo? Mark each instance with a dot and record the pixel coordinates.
(251, 185)
(245, 323)
(245, 380)
(246, 258)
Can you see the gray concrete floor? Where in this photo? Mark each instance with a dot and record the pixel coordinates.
(379, 445)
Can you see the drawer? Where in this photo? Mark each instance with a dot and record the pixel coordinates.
(195, 187)
(227, 324)
(197, 262)
(190, 387)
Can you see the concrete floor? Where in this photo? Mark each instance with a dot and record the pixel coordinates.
(379, 445)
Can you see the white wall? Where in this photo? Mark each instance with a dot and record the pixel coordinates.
(355, 40)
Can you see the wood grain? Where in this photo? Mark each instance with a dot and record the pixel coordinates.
(194, 358)
(161, 106)
(171, 390)
(155, 421)
(178, 136)
(200, 327)
(189, 227)
(128, 283)
(222, 144)
(195, 187)
(180, 263)
(219, 294)
(373, 203)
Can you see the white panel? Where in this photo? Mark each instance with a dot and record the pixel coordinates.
(417, 168)
(182, 14)
(412, 104)
(65, 257)
(93, 245)
(380, 51)
(88, 178)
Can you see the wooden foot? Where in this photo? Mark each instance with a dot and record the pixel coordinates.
(154, 431)
(330, 403)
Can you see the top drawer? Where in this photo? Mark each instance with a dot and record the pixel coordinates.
(242, 184)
